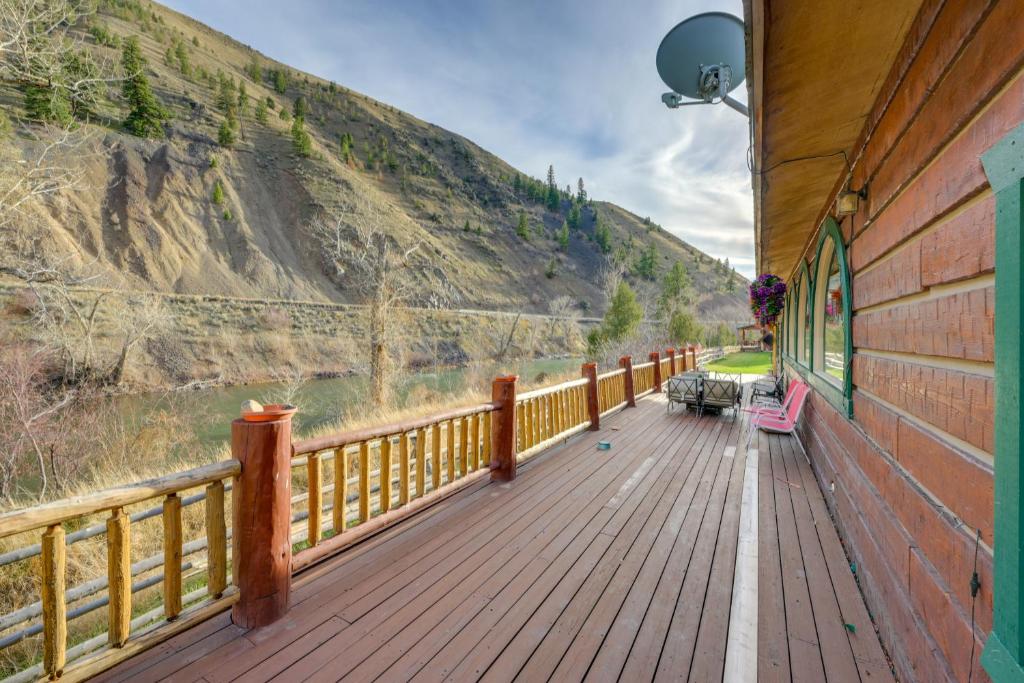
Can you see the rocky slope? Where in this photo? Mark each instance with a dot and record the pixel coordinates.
(150, 220)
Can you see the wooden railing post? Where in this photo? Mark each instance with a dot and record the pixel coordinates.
(261, 533)
(593, 407)
(656, 357)
(671, 361)
(503, 429)
(627, 362)
(693, 357)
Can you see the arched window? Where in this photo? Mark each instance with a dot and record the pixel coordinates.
(832, 341)
(784, 328)
(806, 325)
(794, 317)
(802, 317)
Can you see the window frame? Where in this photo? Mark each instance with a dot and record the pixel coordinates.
(840, 394)
(803, 349)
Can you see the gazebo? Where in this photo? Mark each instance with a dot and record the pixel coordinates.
(749, 336)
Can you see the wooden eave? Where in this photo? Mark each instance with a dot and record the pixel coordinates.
(815, 71)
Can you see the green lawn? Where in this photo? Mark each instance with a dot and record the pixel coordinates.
(747, 363)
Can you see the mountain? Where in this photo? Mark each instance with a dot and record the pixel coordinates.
(185, 214)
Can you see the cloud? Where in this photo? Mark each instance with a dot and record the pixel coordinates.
(568, 83)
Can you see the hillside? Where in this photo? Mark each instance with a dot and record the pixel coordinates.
(156, 220)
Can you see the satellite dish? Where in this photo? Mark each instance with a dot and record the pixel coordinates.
(703, 58)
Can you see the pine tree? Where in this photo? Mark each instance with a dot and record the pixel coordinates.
(517, 184)
(181, 55)
(574, 217)
(47, 104)
(554, 200)
(299, 108)
(280, 81)
(226, 134)
(731, 284)
(261, 111)
(523, 227)
(218, 194)
(145, 115)
(581, 194)
(346, 143)
(683, 328)
(302, 143)
(646, 265)
(563, 237)
(624, 314)
(602, 235)
(243, 98)
(252, 70)
(676, 282)
(551, 178)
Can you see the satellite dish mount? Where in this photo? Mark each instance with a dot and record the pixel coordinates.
(697, 57)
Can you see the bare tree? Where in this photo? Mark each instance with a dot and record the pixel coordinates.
(353, 240)
(139, 318)
(504, 342)
(561, 309)
(36, 423)
(611, 275)
(42, 46)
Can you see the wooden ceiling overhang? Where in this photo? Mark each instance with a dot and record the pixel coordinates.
(814, 72)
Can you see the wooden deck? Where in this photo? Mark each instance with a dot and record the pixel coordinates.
(592, 564)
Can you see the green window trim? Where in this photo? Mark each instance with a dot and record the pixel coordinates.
(804, 302)
(842, 396)
(1004, 650)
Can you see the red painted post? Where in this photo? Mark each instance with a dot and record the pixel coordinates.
(656, 357)
(261, 510)
(671, 361)
(693, 357)
(593, 407)
(503, 429)
(627, 362)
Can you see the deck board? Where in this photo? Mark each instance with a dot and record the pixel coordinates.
(597, 565)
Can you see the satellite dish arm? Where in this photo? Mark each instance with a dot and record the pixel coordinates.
(737, 105)
(675, 100)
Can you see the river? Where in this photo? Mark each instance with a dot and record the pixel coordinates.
(322, 401)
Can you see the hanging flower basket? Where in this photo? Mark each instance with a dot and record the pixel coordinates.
(767, 296)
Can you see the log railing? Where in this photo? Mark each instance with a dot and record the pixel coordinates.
(126, 633)
(611, 391)
(379, 474)
(643, 378)
(546, 416)
(667, 365)
(347, 486)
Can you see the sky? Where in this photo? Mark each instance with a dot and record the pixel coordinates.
(570, 83)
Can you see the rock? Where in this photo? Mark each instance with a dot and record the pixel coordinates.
(251, 406)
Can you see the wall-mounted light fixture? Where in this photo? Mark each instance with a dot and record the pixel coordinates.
(848, 201)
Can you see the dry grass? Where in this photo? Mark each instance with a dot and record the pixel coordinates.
(132, 453)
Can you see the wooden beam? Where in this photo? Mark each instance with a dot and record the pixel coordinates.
(119, 577)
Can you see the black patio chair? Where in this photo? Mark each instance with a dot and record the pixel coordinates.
(721, 393)
(685, 388)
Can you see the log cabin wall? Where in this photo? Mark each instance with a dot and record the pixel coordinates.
(909, 476)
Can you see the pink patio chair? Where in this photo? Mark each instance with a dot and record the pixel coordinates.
(785, 424)
(774, 408)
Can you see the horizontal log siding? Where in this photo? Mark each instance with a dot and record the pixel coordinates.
(890, 529)
(912, 471)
